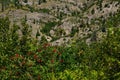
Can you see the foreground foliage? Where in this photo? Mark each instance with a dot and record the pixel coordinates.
(22, 59)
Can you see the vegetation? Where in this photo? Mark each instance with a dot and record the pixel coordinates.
(74, 30)
(25, 58)
(48, 26)
(44, 10)
(22, 59)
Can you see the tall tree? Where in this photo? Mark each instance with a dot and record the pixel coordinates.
(25, 1)
(4, 4)
(44, 1)
(16, 3)
(39, 2)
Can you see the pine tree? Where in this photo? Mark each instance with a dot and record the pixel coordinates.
(2, 6)
(44, 1)
(16, 2)
(25, 1)
(39, 2)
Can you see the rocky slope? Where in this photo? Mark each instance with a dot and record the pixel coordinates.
(63, 21)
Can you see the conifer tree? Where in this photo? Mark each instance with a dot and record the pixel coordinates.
(25, 1)
(39, 2)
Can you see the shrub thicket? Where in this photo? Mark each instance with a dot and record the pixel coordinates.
(22, 59)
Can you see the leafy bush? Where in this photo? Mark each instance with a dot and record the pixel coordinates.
(48, 26)
(44, 10)
(23, 59)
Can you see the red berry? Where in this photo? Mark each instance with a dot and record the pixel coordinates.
(52, 61)
(17, 55)
(29, 53)
(35, 56)
(46, 45)
(54, 50)
(61, 60)
(39, 50)
(39, 60)
(59, 53)
(38, 77)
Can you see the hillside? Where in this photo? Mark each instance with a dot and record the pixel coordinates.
(60, 20)
(60, 39)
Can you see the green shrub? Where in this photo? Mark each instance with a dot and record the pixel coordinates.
(44, 10)
(24, 59)
(48, 26)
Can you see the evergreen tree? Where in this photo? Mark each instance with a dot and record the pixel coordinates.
(44, 1)
(39, 2)
(25, 1)
(4, 4)
(16, 3)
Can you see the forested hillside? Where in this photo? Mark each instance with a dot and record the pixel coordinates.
(59, 39)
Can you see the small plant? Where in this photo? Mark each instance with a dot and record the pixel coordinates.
(44, 10)
(92, 11)
(48, 26)
(73, 31)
